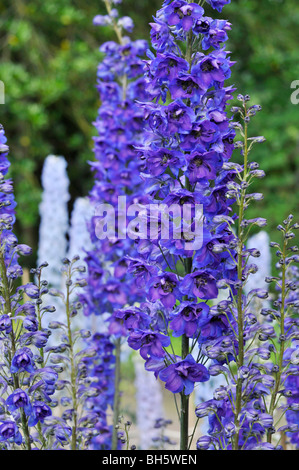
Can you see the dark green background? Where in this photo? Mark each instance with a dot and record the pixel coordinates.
(49, 56)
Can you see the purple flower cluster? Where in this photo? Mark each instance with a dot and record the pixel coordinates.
(100, 373)
(27, 385)
(188, 142)
(291, 355)
(245, 413)
(8, 240)
(119, 127)
(33, 373)
(116, 169)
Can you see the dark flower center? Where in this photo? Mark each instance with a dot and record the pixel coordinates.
(149, 339)
(197, 162)
(177, 115)
(183, 200)
(187, 312)
(19, 401)
(200, 281)
(168, 286)
(189, 85)
(204, 25)
(165, 158)
(207, 66)
(172, 63)
(179, 12)
(8, 432)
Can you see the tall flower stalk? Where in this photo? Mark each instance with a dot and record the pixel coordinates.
(25, 387)
(244, 413)
(285, 361)
(119, 125)
(188, 141)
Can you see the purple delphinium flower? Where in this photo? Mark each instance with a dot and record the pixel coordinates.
(9, 432)
(188, 139)
(184, 86)
(5, 323)
(177, 117)
(182, 376)
(129, 318)
(7, 212)
(218, 4)
(182, 14)
(203, 165)
(19, 399)
(216, 34)
(159, 160)
(149, 343)
(142, 270)
(188, 317)
(22, 361)
(199, 284)
(165, 288)
(110, 283)
(40, 411)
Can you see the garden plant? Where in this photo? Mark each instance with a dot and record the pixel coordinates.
(163, 276)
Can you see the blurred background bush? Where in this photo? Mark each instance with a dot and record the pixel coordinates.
(49, 56)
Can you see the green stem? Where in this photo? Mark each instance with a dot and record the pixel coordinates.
(73, 369)
(282, 343)
(39, 317)
(240, 319)
(184, 416)
(7, 310)
(116, 402)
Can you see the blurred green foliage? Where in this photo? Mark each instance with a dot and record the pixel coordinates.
(49, 56)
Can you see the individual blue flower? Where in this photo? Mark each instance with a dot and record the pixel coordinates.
(185, 86)
(165, 67)
(159, 160)
(39, 412)
(142, 270)
(161, 36)
(9, 432)
(19, 399)
(188, 317)
(216, 34)
(5, 323)
(178, 118)
(182, 14)
(126, 23)
(62, 433)
(165, 288)
(30, 323)
(48, 375)
(205, 443)
(212, 68)
(130, 317)
(203, 165)
(200, 284)
(22, 361)
(31, 290)
(114, 292)
(203, 134)
(202, 25)
(183, 196)
(218, 4)
(27, 308)
(182, 376)
(215, 327)
(150, 343)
